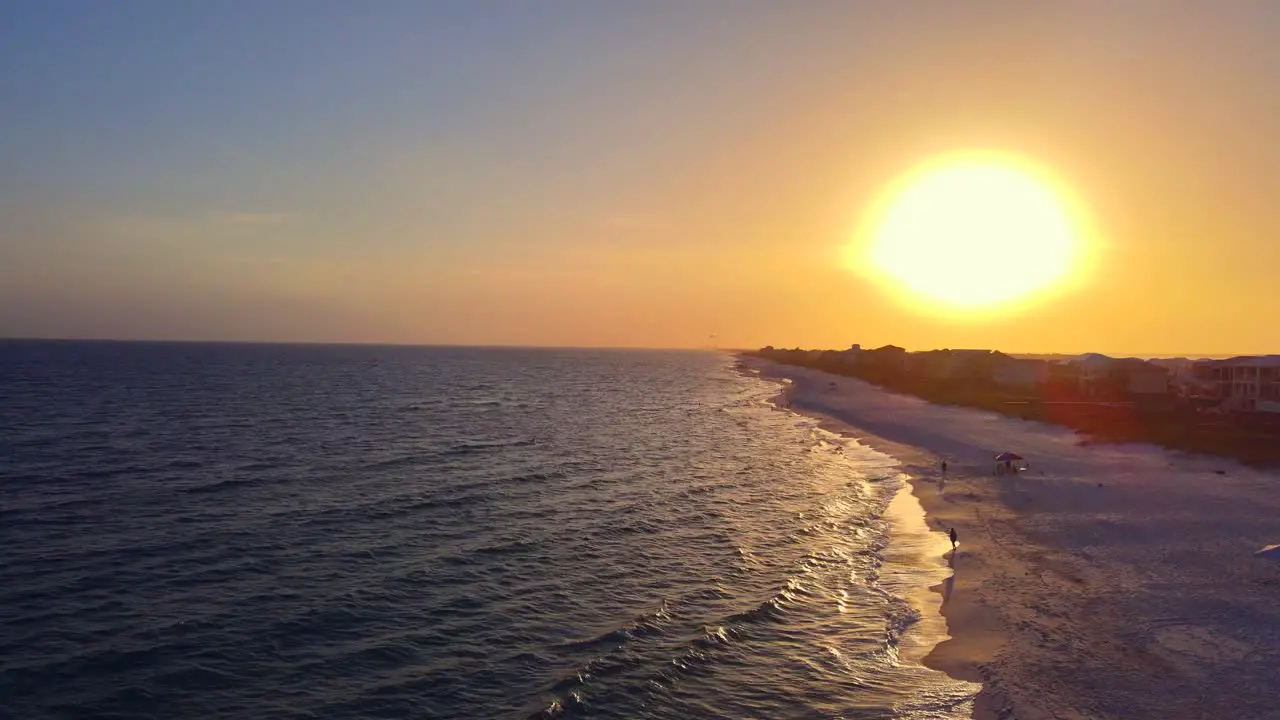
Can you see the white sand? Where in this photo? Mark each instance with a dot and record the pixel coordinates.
(1136, 599)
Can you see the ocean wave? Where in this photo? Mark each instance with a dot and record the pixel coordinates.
(568, 692)
(185, 464)
(224, 485)
(390, 508)
(613, 659)
(478, 446)
(259, 466)
(342, 543)
(194, 677)
(535, 477)
(408, 460)
(772, 609)
(643, 625)
(458, 449)
(510, 547)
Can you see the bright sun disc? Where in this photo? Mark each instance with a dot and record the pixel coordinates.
(973, 234)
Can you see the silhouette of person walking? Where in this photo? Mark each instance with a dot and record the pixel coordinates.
(952, 535)
(944, 466)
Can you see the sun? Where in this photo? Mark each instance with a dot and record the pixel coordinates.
(973, 234)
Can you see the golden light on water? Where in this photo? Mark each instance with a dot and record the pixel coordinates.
(973, 234)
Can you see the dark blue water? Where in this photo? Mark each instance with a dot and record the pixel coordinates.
(252, 531)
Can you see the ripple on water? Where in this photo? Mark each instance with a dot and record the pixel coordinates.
(257, 531)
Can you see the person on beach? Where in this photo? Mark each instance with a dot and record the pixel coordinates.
(944, 467)
(952, 535)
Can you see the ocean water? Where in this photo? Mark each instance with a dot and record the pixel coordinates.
(254, 531)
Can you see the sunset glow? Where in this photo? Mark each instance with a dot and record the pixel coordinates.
(972, 235)
(603, 175)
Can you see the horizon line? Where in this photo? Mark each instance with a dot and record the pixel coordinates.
(1112, 354)
(361, 343)
(519, 346)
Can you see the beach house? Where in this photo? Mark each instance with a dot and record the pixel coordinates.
(1019, 373)
(849, 358)
(1143, 378)
(1248, 383)
(976, 365)
(1099, 375)
(932, 364)
(981, 366)
(886, 359)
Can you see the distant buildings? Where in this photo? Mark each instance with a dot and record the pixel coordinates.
(1014, 372)
(1240, 384)
(887, 359)
(987, 366)
(1088, 376)
(1144, 378)
(1251, 384)
(1102, 375)
(955, 364)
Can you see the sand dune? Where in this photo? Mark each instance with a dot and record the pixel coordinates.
(1104, 582)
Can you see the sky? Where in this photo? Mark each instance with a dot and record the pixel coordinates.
(607, 173)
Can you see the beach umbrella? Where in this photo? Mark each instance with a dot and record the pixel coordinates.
(1007, 456)
(1270, 552)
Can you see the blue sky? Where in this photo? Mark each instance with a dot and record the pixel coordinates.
(597, 172)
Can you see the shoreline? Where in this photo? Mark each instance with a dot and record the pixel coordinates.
(1247, 439)
(1109, 581)
(973, 631)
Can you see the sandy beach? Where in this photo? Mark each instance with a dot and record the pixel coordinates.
(1102, 582)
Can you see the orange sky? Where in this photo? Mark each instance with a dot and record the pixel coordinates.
(639, 176)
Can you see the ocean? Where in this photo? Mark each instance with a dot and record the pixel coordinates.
(289, 531)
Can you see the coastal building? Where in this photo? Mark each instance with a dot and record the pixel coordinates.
(1183, 379)
(1018, 373)
(1250, 383)
(932, 364)
(1099, 375)
(976, 365)
(1093, 373)
(889, 358)
(849, 358)
(982, 366)
(973, 365)
(1065, 373)
(1144, 378)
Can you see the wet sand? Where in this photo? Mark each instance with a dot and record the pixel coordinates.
(1104, 582)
